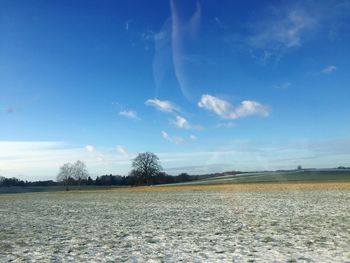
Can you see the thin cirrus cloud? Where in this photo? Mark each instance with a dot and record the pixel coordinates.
(183, 32)
(162, 105)
(172, 139)
(283, 29)
(130, 114)
(225, 125)
(329, 69)
(225, 110)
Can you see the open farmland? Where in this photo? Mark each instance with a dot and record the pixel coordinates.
(181, 224)
(305, 176)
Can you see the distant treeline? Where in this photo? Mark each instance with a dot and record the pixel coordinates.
(17, 182)
(112, 180)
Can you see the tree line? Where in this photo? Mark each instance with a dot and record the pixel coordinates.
(146, 170)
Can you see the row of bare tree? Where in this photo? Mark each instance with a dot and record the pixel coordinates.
(145, 167)
(76, 171)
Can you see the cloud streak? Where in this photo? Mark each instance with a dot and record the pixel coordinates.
(329, 69)
(163, 105)
(130, 114)
(183, 32)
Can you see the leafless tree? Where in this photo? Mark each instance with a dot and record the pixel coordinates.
(65, 173)
(76, 171)
(80, 172)
(145, 166)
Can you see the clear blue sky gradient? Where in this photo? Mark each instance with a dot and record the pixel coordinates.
(75, 78)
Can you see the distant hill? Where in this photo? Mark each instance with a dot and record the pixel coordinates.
(314, 175)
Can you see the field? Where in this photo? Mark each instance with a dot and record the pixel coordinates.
(195, 223)
(304, 176)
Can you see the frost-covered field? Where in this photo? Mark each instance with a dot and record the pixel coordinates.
(186, 226)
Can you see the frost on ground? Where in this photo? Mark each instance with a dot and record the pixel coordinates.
(193, 226)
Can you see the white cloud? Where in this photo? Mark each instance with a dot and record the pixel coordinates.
(120, 149)
(219, 106)
(90, 148)
(130, 114)
(181, 122)
(225, 110)
(162, 105)
(329, 69)
(250, 108)
(172, 139)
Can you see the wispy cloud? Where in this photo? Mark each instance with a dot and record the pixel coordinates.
(283, 31)
(283, 86)
(163, 105)
(126, 25)
(121, 149)
(172, 139)
(225, 110)
(329, 69)
(225, 125)
(90, 148)
(280, 29)
(183, 32)
(193, 137)
(130, 114)
(183, 123)
(219, 23)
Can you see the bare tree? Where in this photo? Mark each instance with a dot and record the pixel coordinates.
(80, 172)
(65, 173)
(145, 166)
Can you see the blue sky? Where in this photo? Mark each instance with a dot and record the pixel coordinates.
(206, 85)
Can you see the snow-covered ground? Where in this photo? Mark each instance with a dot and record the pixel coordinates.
(193, 226)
